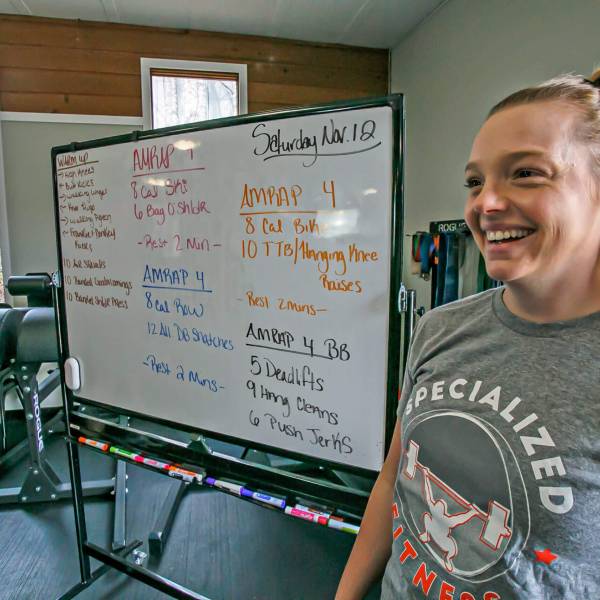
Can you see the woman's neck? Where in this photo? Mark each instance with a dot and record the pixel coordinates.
(544, 302)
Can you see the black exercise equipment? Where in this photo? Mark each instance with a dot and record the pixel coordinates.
(28, 339)
(36, 286)
(10, 319)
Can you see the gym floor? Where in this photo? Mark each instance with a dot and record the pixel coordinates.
(220, 546)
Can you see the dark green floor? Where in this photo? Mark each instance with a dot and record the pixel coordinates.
(220, 546)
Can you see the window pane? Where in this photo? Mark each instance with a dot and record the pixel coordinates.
(179, 100)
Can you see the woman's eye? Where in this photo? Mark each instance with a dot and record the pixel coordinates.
(472, 182)
(525, 173)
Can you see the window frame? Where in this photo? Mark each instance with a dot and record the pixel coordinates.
(148, 64)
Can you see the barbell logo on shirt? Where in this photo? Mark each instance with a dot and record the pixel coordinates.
(463, 495)
(438, 523)
(534, 439)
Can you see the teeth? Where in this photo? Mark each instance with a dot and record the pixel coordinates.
(496, 236)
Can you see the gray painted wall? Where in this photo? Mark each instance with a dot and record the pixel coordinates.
(28, 177)
(455, 66)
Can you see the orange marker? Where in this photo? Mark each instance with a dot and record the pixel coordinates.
(93, 443)
(184, 474)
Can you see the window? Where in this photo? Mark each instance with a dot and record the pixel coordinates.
(177, 92)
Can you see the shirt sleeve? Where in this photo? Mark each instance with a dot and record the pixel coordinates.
(408, 381)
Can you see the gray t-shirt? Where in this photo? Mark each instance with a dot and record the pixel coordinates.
(498, 490)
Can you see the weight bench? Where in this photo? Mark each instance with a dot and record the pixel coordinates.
(10, 319)
(31, 339)
(36, 343)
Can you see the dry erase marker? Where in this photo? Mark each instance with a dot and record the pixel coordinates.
(198, 476)
(184, 474)
(234, 488)
(125, 453)
(93, 443)
(341, 526)
(278, 502)
(349, 515)
(152, 463)
(304, 514)
(313, 510)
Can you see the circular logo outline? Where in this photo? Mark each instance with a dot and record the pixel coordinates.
(410, 520)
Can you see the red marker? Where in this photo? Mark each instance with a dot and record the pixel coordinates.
(157, 464)
(306, 515)
(93, 443)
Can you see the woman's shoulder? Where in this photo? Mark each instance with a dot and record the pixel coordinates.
(459, 320)
(471, 307)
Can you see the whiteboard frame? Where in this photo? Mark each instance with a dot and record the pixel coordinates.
(169, 449)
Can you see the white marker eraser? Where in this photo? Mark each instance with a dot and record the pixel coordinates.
(72, 374)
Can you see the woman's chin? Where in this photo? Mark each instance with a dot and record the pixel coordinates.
(513, 278)
(504, 273)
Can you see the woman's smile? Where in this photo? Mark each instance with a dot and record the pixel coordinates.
(506, 248)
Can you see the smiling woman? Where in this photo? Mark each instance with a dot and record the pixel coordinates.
(492, 482)
(533, 204)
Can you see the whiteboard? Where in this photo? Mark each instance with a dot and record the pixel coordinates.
(237, 279)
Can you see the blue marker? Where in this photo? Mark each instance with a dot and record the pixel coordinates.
(278, 502)
(234, 488)
(240, 490)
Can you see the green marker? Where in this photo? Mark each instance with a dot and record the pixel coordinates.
(124, 453)
(343, 526)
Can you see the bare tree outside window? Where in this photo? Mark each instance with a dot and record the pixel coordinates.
(177, 100)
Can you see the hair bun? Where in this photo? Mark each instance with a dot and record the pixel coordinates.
(594, 78)
(593, 82)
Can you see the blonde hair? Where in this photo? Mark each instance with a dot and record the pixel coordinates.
(581, 93)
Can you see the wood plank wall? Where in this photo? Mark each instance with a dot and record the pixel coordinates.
(79, 67)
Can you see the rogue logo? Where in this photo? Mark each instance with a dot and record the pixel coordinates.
(38, 422)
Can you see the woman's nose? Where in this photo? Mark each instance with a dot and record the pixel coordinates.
(491, 199)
